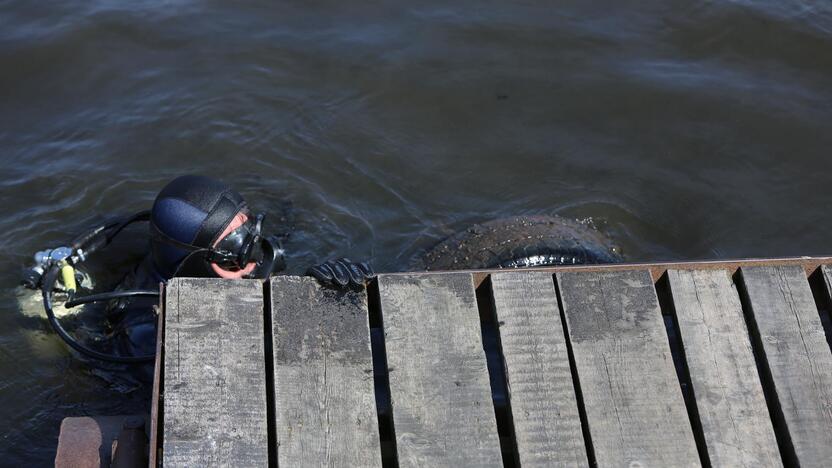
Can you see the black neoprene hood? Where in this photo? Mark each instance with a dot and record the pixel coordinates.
(194, 210)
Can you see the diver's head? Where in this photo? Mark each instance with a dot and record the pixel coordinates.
(201, 227)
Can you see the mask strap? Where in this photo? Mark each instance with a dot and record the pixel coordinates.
(211, 255)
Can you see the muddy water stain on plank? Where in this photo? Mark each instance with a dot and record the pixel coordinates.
(439, 383)
(325, 411)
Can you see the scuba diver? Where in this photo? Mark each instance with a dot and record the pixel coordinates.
(198, 227)
(201, 227)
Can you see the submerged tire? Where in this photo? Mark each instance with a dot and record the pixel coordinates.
(522, 241)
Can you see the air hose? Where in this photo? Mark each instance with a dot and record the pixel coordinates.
(82, 247)
(76, 301)
(49, 283)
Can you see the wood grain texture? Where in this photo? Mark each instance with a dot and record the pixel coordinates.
(154, 446)
(214, 384)
(797, 357)
(441, 397)
(325, 411)
(634, 405)
(545, 411)
(728, 394)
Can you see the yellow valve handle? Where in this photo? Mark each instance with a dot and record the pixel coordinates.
(68, 276)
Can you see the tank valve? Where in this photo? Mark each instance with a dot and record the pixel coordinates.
(32, 277)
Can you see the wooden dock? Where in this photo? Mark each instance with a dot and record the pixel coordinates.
(652, 365)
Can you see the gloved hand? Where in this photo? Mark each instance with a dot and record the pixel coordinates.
(342, 273)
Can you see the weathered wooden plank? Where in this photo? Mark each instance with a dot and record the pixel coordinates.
(786, 326)
(155, 453)
(727, 390)
(325, 411)
(547, 426)
(214, 375)
(441, 397)
(634, 406)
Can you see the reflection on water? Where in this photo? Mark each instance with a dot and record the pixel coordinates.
(686, 130)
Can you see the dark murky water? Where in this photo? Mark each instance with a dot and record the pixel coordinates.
(687, 130)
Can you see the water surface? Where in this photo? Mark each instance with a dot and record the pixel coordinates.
(684, 129)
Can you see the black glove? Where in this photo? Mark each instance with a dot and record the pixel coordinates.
(342, 273)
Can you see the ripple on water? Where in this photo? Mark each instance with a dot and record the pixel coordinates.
(691, 130)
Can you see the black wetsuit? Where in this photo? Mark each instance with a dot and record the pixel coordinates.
(133, 321)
